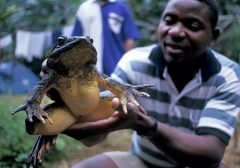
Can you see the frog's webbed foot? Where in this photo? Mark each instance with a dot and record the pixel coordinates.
(33, 109)
(130, 92)
(41, 147)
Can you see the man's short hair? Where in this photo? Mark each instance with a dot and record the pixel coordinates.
(213, 9)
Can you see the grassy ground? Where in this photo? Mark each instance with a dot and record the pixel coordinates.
(16, 143)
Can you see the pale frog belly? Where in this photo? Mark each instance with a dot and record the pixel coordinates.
(81, 100)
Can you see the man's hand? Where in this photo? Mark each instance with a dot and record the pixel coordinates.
(134, 119)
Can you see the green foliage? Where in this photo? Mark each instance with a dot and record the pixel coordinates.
(12, 134)
(37, 15)
(15, 143)
(229, 41)
(34, 15)
(6, 11)
(147, 14)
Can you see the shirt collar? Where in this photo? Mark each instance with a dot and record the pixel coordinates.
(210, 67)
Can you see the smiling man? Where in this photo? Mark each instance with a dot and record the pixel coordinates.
(193, 108)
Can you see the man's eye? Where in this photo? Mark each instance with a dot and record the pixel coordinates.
(168, 20)
(194, 26)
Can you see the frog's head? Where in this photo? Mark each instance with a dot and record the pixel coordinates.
(72, 53)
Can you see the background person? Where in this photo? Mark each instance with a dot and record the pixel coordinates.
(110, 24)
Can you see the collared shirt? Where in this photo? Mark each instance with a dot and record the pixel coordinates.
(109, 26)
(208, 104)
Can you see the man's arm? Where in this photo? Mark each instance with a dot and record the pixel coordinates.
(188, 149)
(87, 138)
(130, 30)
(129, 44)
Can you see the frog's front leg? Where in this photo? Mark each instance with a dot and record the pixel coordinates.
(32, 104)
(125, 92)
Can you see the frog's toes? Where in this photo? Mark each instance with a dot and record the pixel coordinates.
(20, 108)
(43, 113)
(38, 114)
(138, 87)
(142, 94)
(124, 105)
(29, 115)
(132, 100)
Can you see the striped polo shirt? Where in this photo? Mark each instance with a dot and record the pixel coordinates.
(208, 104)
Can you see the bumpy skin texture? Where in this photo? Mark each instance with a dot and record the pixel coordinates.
(71, 79)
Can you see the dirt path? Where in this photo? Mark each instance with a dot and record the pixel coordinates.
(119, 140)
(232, 154)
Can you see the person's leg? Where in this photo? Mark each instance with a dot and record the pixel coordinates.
(126, 159)
(97, 161)
(222, 165)
(116, 159)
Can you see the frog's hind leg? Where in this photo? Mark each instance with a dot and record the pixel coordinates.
(41, 147)
(61, 116)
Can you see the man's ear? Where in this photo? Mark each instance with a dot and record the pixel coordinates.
(216, 33)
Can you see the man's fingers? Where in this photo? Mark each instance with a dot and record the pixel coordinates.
(143, 110)
(116, 104)
(96, 126)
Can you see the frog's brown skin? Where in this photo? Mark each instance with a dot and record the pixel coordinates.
(71, 71)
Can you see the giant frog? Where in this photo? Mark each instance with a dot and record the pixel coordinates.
(71, 78)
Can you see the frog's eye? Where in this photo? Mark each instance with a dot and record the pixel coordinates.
(91, 40)
(61, 40)
(88, 38)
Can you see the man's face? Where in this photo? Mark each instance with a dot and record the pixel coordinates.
(184, 30)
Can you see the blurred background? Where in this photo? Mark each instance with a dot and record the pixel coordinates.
(20, 66)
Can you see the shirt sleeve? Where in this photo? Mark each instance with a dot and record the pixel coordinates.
(220, 115)
(123, 69)
(130, 29)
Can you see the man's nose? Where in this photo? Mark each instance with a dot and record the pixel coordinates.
(177, 31)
